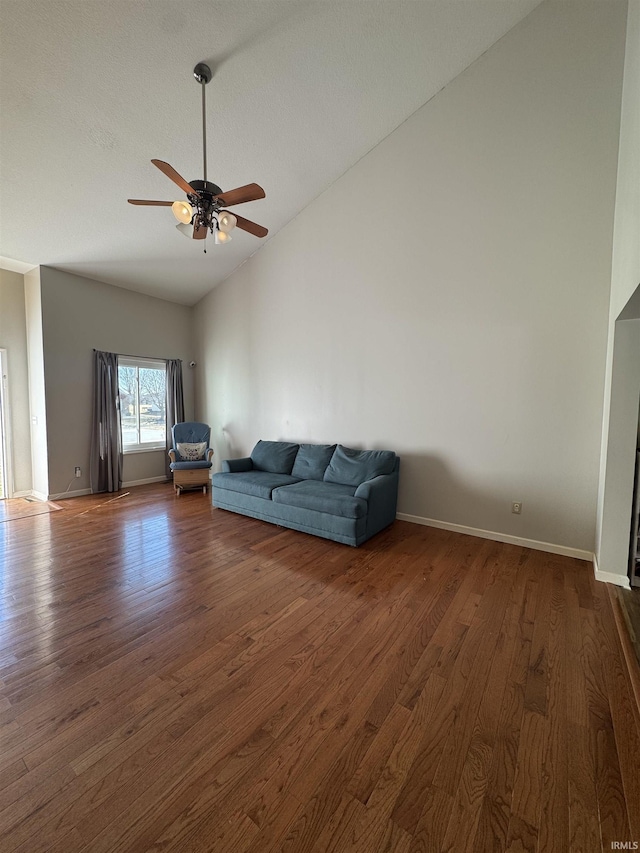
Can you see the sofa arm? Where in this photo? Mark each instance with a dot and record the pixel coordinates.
(235, 466)
(379, 488)
(381, 495)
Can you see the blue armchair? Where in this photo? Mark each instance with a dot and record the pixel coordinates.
(190, 456)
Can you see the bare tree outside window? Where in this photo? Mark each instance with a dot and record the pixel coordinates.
(142, 388)
(153, 388)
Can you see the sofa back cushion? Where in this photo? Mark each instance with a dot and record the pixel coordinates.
(352, 467)
(276, 457)
(312, 460)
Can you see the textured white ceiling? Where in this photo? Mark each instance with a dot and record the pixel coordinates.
(91, 91)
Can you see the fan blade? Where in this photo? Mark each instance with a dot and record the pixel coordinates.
(199, 232)
(250, 192)
(248, 225)
(146, 201)
(171, 173)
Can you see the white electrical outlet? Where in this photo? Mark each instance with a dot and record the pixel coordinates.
(516, 507)
(78, 471)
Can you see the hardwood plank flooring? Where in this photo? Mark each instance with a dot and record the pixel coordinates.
(177, 678)
(13, 508)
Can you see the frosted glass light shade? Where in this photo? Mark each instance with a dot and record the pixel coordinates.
(182, 211)
(226, 222)
(185, 229)
(221, 237)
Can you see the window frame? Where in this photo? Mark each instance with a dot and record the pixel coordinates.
(138, 363)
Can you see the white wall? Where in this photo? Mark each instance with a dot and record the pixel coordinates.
(622, 388)
(447, 297)
(79, 315)
(37, 397)
(13, 338)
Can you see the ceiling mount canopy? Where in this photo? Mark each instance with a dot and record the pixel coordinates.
(202, 73)
(203, 208)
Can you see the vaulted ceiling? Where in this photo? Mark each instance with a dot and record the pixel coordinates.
(91, 91)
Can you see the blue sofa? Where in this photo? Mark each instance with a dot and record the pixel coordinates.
(325, 489)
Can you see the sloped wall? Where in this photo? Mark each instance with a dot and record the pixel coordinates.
(447, 297)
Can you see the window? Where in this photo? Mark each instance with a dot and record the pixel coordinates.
(142, 388)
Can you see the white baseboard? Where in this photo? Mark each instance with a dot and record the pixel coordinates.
(77, 493)
(609, 577)
(130, 483)
(549, 547)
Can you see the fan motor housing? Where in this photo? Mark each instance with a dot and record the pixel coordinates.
(206, 188)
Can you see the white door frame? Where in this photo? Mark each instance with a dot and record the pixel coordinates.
(5, 426)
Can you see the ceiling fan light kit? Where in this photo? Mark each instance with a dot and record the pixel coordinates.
(203, 212)
(221, 237)
(182, 211)
(226, 222)
(185, 228)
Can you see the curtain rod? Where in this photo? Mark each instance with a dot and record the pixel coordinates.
(150, 357)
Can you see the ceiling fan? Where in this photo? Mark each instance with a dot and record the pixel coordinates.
(204, 208)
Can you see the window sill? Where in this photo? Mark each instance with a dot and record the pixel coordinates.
(129, 451)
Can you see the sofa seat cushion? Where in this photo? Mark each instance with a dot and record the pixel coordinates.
(260, 484)
(332, 498)
(276, 457)
(312, 460)
(353, 467)
(188, 466)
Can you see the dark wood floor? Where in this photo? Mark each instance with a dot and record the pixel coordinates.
(178, 678)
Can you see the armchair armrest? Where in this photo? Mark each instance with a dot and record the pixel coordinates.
(236, 466)
(172, 455)
(209, 454)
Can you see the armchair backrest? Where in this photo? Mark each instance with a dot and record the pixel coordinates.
(190, 432)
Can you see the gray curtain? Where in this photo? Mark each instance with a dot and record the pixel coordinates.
(106, 442)
(175, 402)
